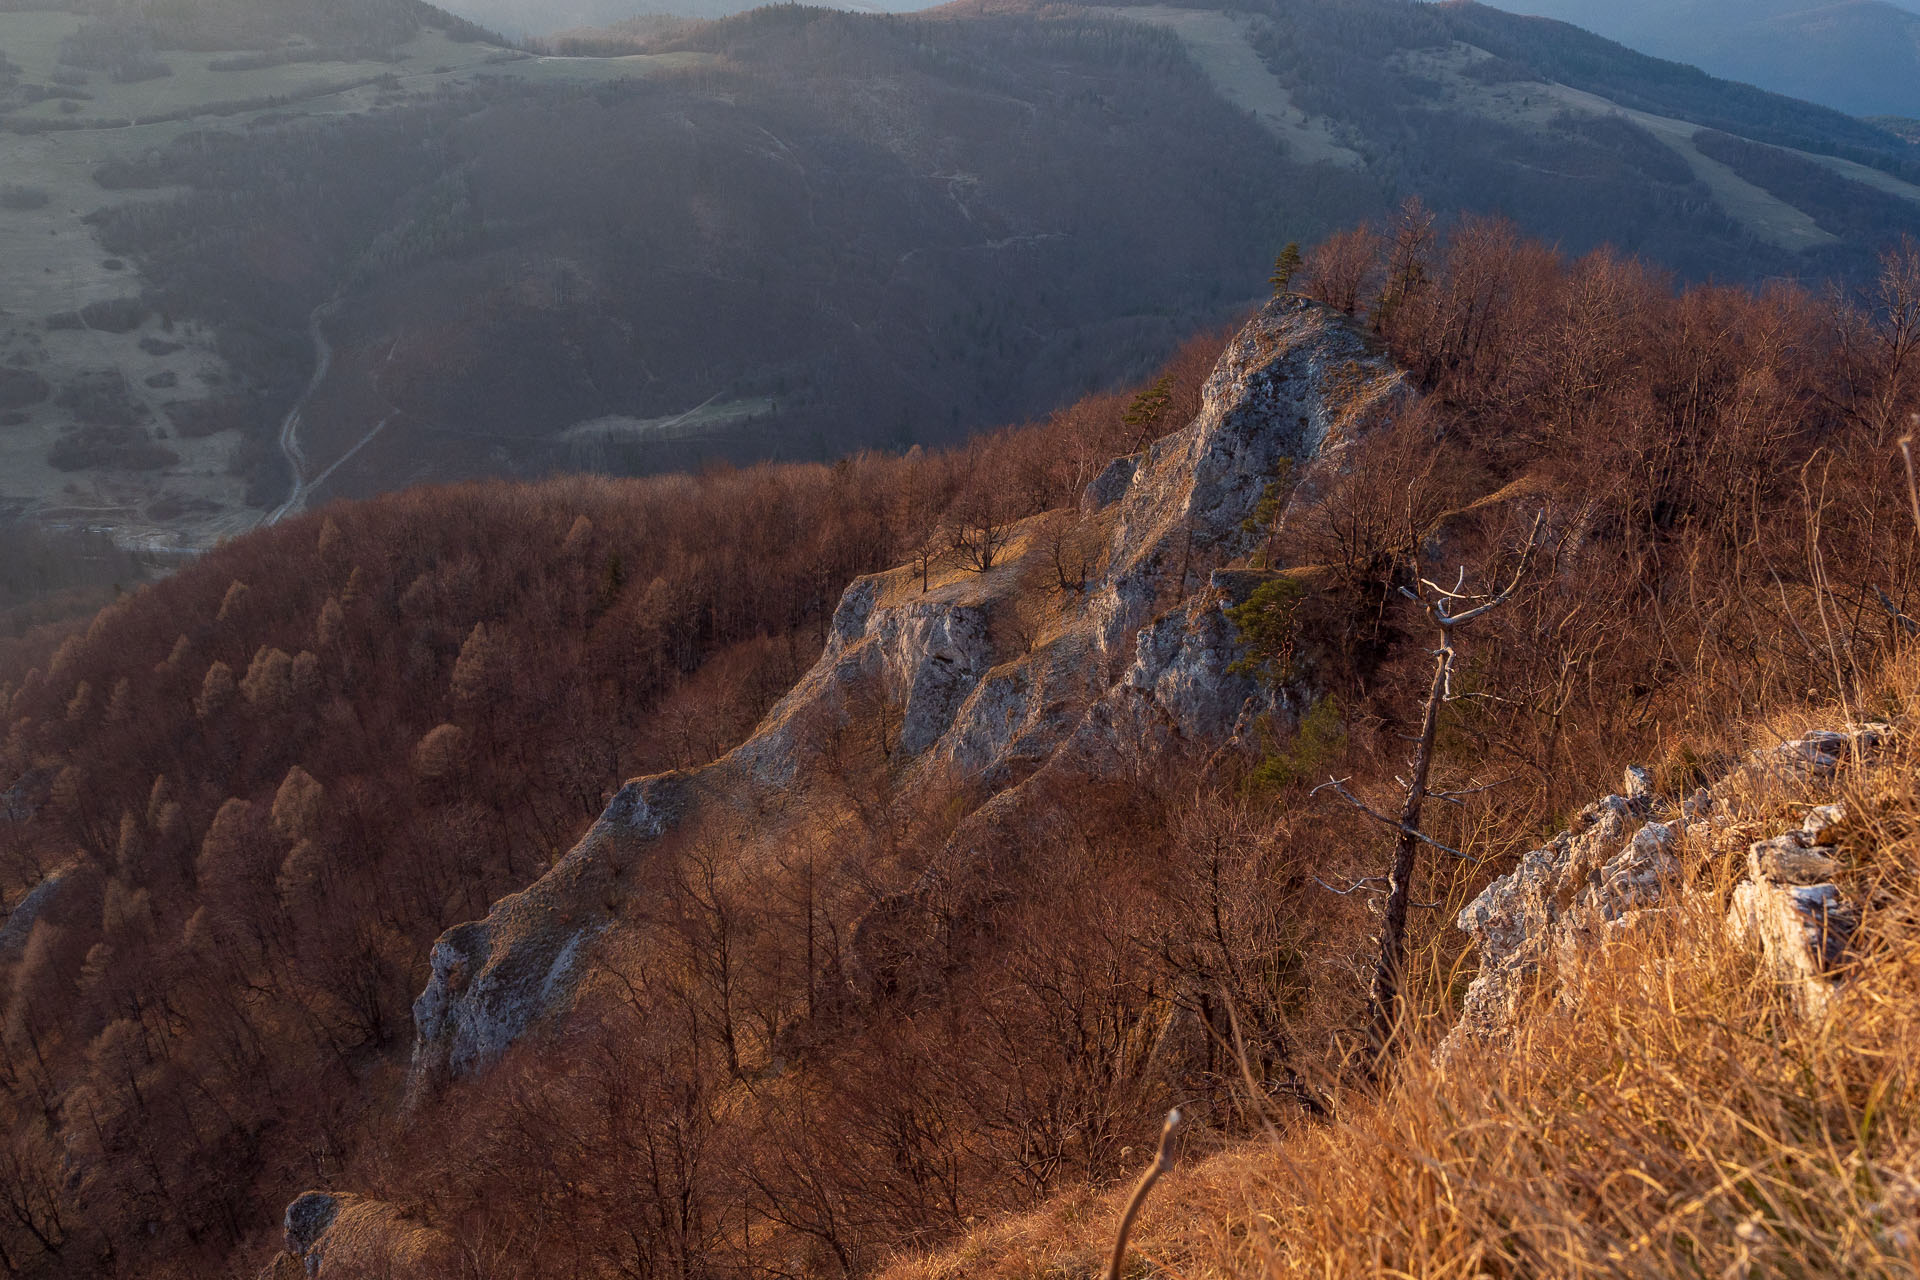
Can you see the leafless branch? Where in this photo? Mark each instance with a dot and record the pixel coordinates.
(1436, 603)
(1913, 486)
(1453, 797)
(1378, 816)
(1353, 888)
(1384, 999)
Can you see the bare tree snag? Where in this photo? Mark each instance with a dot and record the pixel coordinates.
(1449, 610)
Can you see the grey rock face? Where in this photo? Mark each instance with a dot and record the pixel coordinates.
(939, 655)
(1801, 933)
(1107, 488)
(1821, 752)
(1180, 688)
(1635, 876)
(492, 979)
(1790, 911)
(307, 1219)
(1579, 886)
(1613, 871)
(1138, 662)
(850, 617)
(40, 900)
(1290, 387)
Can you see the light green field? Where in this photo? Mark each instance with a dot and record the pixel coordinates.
(51, 263)
(1535, 103)
(1221, 43)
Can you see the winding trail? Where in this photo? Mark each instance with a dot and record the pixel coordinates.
(290, 428)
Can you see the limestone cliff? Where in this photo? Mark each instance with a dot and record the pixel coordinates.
(985, 677)
(981, 685)
(1633, 855)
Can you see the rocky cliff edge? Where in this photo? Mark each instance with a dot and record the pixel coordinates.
(986, 678)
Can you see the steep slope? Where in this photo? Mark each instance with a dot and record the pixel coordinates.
(998, 685)
(792, 233)
(970, 749)
(456, 716)
(1860, 56)
(1095, 680)
(1038, 849)
(1630, 1039)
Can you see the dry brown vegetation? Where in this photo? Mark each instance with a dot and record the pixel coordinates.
(283, 771)
(280, 773)
(1665, 1111)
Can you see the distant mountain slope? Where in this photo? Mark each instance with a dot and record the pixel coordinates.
(790, 233)
(256, 24)
(519, 18)
(1861, 56)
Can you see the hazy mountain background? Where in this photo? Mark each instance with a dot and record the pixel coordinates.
(1861, 56)
(518, 18)
(257, 257)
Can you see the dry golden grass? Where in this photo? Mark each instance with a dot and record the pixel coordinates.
(1663, 1113)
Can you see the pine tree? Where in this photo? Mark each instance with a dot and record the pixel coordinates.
(1143, 415)
(1284, 268)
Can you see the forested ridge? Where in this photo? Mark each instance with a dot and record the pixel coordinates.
(261, 787)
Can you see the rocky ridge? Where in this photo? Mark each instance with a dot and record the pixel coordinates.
(959, 697)
(994, 685)
(990, 683)
(1631, 856)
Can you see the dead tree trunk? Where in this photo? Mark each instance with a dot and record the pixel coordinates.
(1383, 997)
(1449, 611)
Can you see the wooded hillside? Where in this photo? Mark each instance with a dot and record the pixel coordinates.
(261, 787)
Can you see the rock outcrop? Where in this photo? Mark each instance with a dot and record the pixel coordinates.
(977, 681)
(335, 1236)
(492, 978)
(1628, 856)
(38, 902)
(1791, 913)
(1587, 882)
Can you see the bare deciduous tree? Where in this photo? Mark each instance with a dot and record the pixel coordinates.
(980, 528)
(1448, 609)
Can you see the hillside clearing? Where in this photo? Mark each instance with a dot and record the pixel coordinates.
(52, 264)
(1220, 43)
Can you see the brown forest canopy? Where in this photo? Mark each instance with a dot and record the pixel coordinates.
(274, 777)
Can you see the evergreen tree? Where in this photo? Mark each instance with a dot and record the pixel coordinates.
(1284, 268)
(1143, 415)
